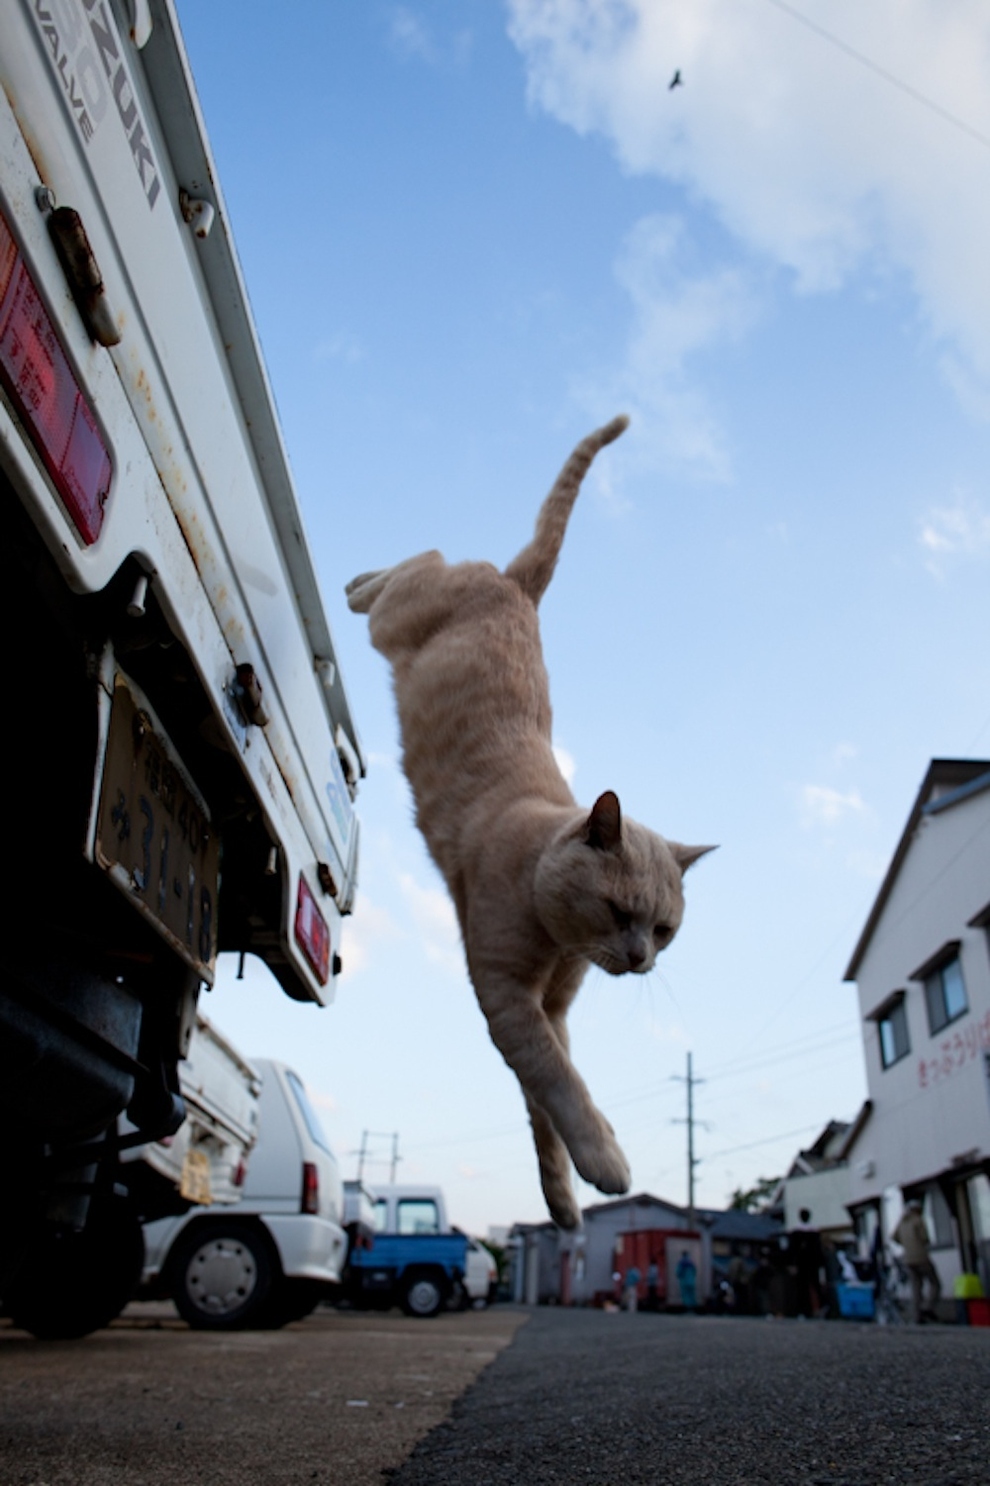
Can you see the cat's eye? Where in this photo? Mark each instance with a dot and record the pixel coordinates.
(663, 934)
(623, 920)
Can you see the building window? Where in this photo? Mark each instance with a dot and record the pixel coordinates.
(939, 1218)
(892, 1028)
(945, 995)
(981, 920)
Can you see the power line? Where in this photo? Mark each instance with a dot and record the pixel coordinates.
(806, 1048)
(799, 985)
(823, 1040)
(769, 1140)
(888, 77)
(809, 1042)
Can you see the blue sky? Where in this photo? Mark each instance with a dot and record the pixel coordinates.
(473, 230)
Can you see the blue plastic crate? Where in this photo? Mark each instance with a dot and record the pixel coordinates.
(856, 1302)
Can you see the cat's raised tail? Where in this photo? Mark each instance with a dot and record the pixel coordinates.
(534, 567)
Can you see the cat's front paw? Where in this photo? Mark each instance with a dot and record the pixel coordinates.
(602, 1164)
(565, 1211)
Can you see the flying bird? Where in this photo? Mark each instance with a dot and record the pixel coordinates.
(676, 81)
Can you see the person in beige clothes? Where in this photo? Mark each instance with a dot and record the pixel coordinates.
(912, 1234)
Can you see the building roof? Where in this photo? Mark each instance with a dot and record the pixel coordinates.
(822, 1153)
(947, 782)
(734, 1224)
(634, 1199)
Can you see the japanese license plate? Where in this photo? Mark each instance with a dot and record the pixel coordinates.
(154, 835)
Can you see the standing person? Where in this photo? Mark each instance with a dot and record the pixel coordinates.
(740, 1274)
(912, 1234)
(806, 1251)
(763, 1282)
(687, 1278)
(653, 1284)
(630, 1294)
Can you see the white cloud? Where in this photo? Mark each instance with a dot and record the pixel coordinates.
(340, 347)
(870, 864)
(412, 39)
(565, 762)
(814, 162)
(824, 806)
(409, 35)
(665, 1033)
(436, 923)
(679, 309)
(960, 530)
(361, 931)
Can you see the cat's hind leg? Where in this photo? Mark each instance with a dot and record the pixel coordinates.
(364, 589)
(407, 580)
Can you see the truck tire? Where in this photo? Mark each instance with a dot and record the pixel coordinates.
(424, 1294)
(222, 1276)
(69, 1284)
(292, 1300)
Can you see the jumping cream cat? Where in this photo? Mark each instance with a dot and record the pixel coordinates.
(542, 886)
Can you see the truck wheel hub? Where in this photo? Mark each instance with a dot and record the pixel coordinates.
(222, 1276)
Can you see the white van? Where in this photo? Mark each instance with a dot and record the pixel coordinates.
(270, 1257)
(480, 1275)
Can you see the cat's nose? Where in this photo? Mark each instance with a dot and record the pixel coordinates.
(636, 954)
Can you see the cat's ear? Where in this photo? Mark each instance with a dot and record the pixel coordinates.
(603, 828)
(686, 856)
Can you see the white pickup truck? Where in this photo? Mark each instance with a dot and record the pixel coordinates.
(205, 1162)
(181, 755)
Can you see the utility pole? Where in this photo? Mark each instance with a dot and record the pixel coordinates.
(692, 1160)
(362, 1153)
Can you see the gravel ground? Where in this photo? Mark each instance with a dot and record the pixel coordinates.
(335, 1399)
(584, 1396)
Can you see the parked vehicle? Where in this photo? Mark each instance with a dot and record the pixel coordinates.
(419, 1271)
(205, 1161)
(177, 703)
(480, 1274)
(274, 1253)
(418, 1259)
(296, 1234)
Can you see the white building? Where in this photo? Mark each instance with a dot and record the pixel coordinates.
(922, 967)
(818, 1180)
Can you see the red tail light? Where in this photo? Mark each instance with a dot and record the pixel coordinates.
(240, 1172)
(310, 1188)
(312, 934)
(37, 377)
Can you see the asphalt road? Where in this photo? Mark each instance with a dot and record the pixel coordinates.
(613, 1399)
(331, 1401)
(577, 1396)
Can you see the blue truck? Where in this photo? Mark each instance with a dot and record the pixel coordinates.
(414, 1258)
(419, 1271)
